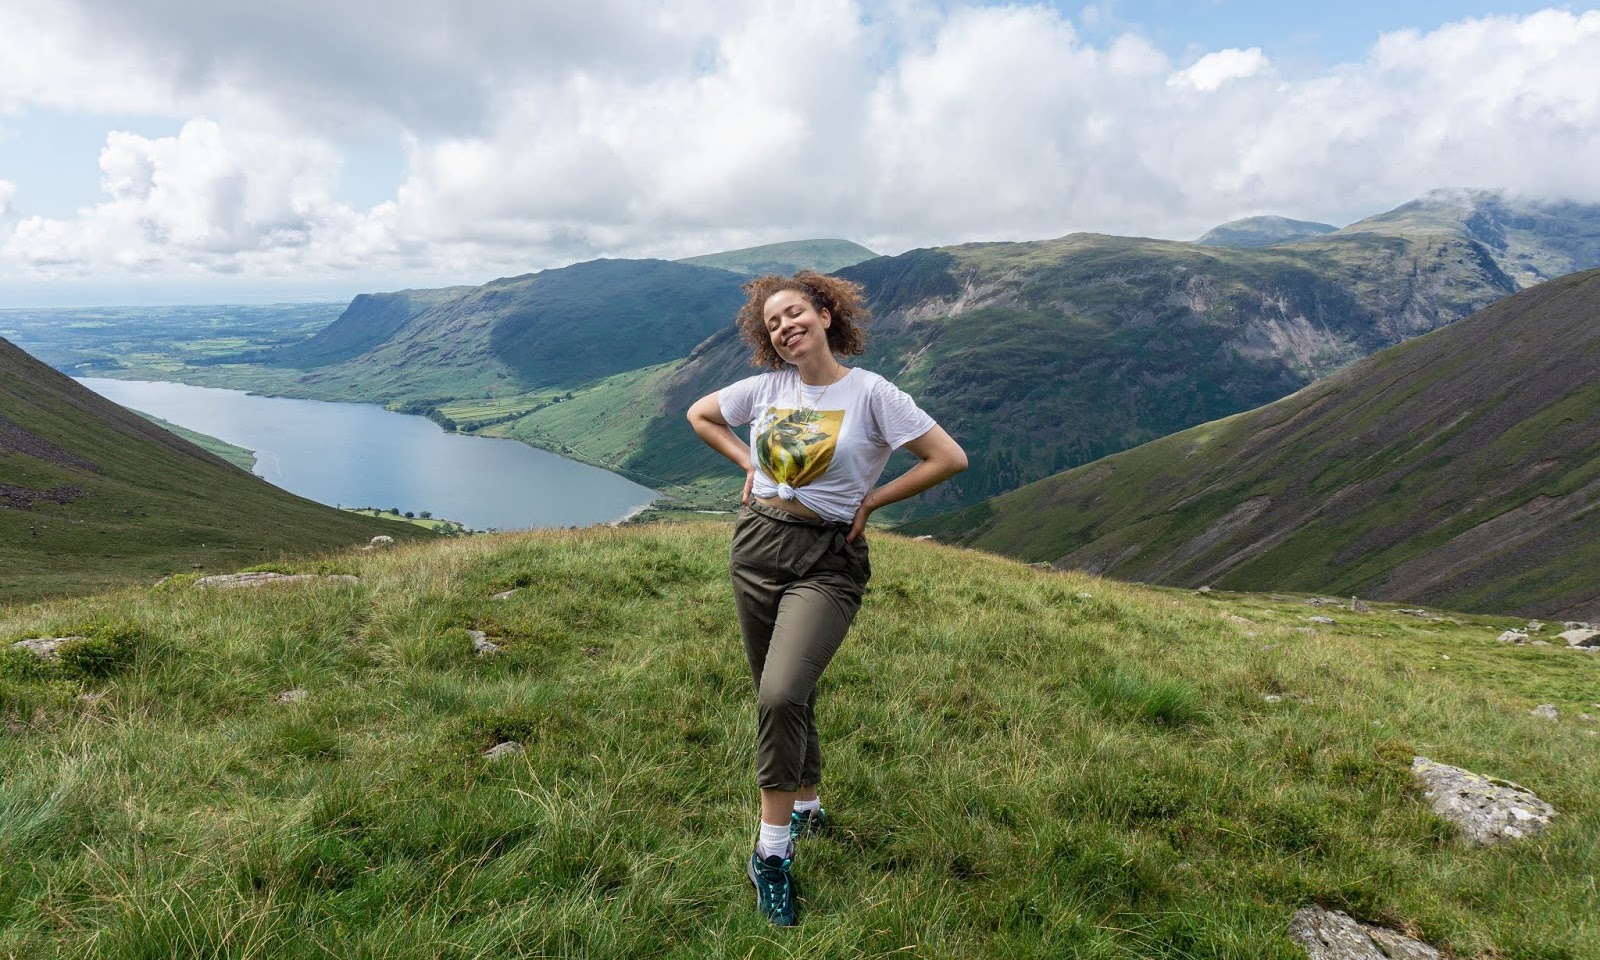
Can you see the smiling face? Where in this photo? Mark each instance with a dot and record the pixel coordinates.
(795, 327)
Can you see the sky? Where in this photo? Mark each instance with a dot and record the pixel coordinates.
(212, 151)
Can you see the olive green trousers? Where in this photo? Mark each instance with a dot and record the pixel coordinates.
(797, 585)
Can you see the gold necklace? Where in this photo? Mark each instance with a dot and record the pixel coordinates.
(807, 415)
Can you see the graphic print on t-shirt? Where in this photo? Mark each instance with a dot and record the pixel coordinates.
(796, 446)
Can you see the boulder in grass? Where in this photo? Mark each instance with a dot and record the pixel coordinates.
(45, 648)
(482, 646)
(292, 696)
(1581, 637)
(380, 542)
(508, 748)
(1546, 711)
(1356, 606)
(237, 581)
(1488, 810)
(1513, 636)
(1325, 621)
(1332, 935)
(505, 594)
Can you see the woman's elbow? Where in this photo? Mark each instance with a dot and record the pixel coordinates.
(955, 459)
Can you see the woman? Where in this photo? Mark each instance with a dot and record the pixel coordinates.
(821, 435)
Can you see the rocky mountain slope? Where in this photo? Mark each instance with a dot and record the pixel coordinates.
(1045, 355)
(92, 494)
(1530, 240)
(1461, 468)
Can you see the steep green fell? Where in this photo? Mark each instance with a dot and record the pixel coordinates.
(563, 327)
(1018, 765)
(1461, 469)
(824, 256)
(92, 494)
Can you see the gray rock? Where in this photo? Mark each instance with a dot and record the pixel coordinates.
(1586, 718)
(481, 644)
(1546, 711)
(500, 751)
(292, 696)
(1332, 935)
(45, 648)
(1204, 589)
(1042, 565)
(1325, 602)
(236, 581)
(1581, 637)
(1534, 626)
(1414, 611)
(380, 542)
(1513, 636)
(505, 594)
(1487, 810)
(925, 536)
(1272, 698)
(1576, 625)
(1329, 621)
(1538, 643)
(1356, 606)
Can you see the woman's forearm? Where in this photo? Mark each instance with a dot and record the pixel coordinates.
(926, 475)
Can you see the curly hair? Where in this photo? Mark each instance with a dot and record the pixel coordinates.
(841, 298)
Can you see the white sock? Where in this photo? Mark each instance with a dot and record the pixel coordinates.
(808, 806)
(774, 841)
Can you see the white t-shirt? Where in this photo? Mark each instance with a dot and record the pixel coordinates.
(823, 446)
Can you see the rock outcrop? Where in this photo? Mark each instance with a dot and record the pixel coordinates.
(235, 581)
(45, 648)
(1332, 935)
(1487, 810)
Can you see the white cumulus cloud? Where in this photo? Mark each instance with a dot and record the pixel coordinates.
(1214, 69)
(537, 133)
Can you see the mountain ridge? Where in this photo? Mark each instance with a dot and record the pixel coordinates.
(1459, 469)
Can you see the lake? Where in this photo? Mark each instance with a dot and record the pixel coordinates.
(359, 454)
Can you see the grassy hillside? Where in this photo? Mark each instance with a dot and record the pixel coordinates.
(824, 256)
(92, 494)
(1461, 468)
(1033, 765)
(1262, 232)
(238, 456)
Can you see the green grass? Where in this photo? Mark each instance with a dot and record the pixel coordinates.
(1018, 764)
(238, 456)
(435, 524)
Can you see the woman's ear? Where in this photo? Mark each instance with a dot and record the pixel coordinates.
(827, 318)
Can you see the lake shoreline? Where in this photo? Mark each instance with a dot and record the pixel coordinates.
(337, 452)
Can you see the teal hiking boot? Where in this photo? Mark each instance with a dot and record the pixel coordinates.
(808, 824)
(775, 888)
